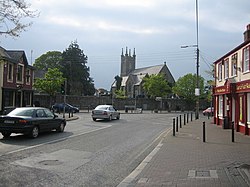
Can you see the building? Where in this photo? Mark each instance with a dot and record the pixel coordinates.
(16, 80)
(132, 78)
(232, 87)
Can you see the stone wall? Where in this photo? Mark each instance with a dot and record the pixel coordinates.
(83, 102)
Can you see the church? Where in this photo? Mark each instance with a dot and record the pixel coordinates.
(132, 78)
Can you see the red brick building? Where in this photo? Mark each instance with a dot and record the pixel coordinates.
(16, 79)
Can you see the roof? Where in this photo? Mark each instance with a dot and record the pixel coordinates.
(148, 70)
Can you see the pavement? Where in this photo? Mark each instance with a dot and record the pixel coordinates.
(185, 160)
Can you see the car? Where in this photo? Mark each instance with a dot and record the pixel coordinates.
(106, 112)
(30, 121)
(209, 111)
(58, 107)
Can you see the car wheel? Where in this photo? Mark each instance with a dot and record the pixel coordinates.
(35, 132)
(118, 116)
(94, 119)
(6, 134)
(110, 117)
(61, 127)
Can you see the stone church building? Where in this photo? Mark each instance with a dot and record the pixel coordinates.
(132, 78)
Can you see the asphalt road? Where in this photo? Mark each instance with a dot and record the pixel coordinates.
(88, 153)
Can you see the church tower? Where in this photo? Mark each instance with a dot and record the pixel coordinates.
(127, 62)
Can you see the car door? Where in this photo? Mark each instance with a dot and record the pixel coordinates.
(41, 120)
(52, 122)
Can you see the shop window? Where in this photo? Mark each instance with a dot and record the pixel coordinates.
(241, 103)
(8, 98)
(27, 99)
(226, 68)
(248, 108)
(220, 106)
(234, 65)
(246, 59)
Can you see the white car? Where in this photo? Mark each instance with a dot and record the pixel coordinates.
(107, 112)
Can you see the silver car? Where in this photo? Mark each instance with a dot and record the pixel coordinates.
(107, 112)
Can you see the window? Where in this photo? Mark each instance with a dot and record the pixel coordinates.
(220, 71)
(246, 59)
(226, 68)
(241, 108)
(10, 72)
(220, 108)
(27, 99)
(8, 98)
(20, 73)
(28, 76)
(248, 107)
(234, 65)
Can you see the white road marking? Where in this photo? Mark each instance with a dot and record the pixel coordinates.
(53, 141)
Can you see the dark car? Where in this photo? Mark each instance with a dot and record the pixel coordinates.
(58, 107)
(30, 121)
(107, 112)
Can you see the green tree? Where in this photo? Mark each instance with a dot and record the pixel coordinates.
(51, 59)
(12, 16)
(185, 87)
(120, 94)
(75, 70)
(156, 86)
(51, 83)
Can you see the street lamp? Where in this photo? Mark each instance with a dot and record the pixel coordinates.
(197, 90)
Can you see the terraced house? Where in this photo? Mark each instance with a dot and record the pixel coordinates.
(16, 80)
(232, 87)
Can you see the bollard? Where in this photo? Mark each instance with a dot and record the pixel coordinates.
(180, 122)
(204, 132)
(187, 117)
(174, 127)
(191, 116)
(69, 114)
(176, 124)
(208, 115)
(232, 131)
(184, 119)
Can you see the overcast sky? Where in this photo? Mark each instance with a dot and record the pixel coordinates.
(155, 28)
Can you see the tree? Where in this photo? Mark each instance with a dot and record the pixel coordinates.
(51, 83)
(185, 87)
(11, 14)
(51, 59)
(75, 70)
(120, 94)
(118, 82)
(156, 86)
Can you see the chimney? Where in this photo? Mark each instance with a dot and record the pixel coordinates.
(247, 33)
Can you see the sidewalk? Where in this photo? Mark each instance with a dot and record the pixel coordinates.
(185, 160)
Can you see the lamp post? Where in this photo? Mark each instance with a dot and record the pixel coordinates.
(197, 89)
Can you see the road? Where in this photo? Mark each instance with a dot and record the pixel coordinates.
(88, 153)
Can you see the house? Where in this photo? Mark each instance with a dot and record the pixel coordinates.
(232, 87)
(132, 79)
(16, 80)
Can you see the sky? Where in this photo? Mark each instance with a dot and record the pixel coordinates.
(156, 29)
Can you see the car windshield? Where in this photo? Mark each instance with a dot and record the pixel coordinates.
(102, 108)
(21, 112)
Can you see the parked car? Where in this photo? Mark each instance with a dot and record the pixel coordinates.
(58, 107)
(30, 121)
(107, 112)
(209, 111)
